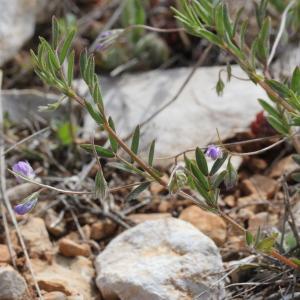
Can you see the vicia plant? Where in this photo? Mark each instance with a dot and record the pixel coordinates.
(54, 64)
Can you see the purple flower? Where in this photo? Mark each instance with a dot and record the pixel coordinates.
(23, 168)
(106, 34)
(214, 152)
(107, 38)
(27, 205)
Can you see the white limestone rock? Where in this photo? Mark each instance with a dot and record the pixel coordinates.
(160, 260)
(17, 23)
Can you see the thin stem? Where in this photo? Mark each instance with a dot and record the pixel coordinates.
(224, 144)
(232, 222)
(258, 151)
(48, 186)
(26, 139)
(142, 164)
(154, 29)
(274, 253)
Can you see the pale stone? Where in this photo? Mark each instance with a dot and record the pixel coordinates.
(12, 284)
(71, 276)
(17, 22)
(140, 218)
(159, 260)
(208, 223)
(36, 237)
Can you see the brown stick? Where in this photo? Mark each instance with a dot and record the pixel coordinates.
(284, 259)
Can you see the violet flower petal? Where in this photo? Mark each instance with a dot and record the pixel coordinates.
(27, 206)
(23, 168)
(214, 152)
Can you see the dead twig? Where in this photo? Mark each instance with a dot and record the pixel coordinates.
(28, 138)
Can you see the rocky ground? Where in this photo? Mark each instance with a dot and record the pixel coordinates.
(155, 247)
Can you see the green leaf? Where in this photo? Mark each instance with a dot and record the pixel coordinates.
(71, 61)
(211, 37)
(51, 54)
(279, 87)
(243, 31)
(135, 193)
(97, 96)
(204, 12)
(99, 150)
(249, 238)
(126, 168)
(83, 62)
(269, 109)
(112, 140)
(266, 245)
(296, 176)
(295, 260)
(189, 169)
(253, 53)
(218, 179)
(94, 114)
(227, 22)
(219, 19)
(55, 32)
(220, 86)
(263, 45)
(133, 13)
(260, 11)
(218, 164)
(296, 158)
(201, 161)
(231, 175)
(199, 176)
(257, 236)
(89, 71)
(236, 21)
(65, 132)
(135, 140)
(66, 46)
(151, 153)
(34, 58)
(278, 125)
(101, 188)
(295, 84)
(201, 190)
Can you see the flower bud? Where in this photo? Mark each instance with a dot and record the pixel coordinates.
(27, 205)
(24, 169)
